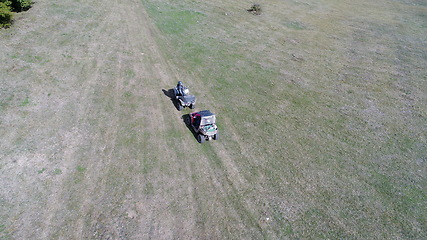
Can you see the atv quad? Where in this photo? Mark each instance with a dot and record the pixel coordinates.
(203, 123)
(184, 99)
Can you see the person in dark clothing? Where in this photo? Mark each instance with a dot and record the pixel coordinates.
(180, 89)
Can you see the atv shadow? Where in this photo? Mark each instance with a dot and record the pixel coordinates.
(170, 94)
(186, 119)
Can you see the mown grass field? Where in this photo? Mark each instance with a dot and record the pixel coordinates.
(321, 107)
(327, 103)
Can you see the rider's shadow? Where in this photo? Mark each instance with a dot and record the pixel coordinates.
(170, 94)
(186, 119)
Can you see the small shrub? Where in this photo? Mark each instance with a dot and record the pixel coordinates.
(8, 7)
(20, 5)
(255, 9)
(6, 15)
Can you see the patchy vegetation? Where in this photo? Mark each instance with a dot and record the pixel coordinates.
(320, 113)
(321, 106)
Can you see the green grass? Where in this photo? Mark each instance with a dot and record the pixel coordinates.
(25, 102)
(130, 73)
(57, 171)
(127, 94)
(80, 169)
(329, 119)
(320, 106)
(173, 20)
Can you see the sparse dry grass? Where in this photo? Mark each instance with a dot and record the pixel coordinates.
(321, 109)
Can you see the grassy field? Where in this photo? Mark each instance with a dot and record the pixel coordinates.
(327, 103)
(321, 105)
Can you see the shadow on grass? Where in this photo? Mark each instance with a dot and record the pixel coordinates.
(169, 93)
(186, 119)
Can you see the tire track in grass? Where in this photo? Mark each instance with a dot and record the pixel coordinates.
(74, 139)
(232, 156)
(69, 128)
(98, 157)
(104, 155)
(107, 223)
(225, 182)
(103, 143)
(168, 77)
(158, 219)
(231, 178)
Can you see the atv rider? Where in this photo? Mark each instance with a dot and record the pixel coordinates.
(180, 89)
